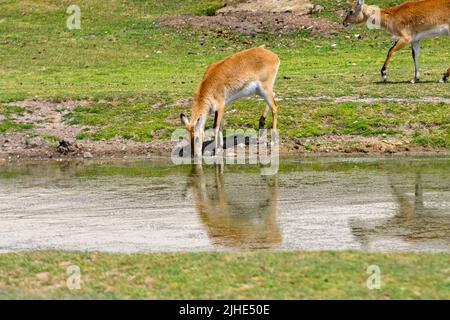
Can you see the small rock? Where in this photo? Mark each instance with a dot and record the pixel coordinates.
(34, 142)
(43, 276)
(65, 264)
(87, 155)
(316, 9)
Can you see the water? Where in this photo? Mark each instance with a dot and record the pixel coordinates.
(371, 204)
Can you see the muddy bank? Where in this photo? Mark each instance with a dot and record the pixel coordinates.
(18, 145)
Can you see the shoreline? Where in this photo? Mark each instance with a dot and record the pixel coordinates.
(146, 151)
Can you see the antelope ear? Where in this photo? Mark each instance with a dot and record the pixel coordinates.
(360, 2)
(184, 119)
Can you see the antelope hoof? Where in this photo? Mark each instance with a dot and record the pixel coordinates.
(384, 75)
(416, 80)
(218, 151)
(262, 122)
(444, 79)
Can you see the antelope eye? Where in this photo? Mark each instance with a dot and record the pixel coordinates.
(351, 12)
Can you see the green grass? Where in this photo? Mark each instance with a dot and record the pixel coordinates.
(50, 138)
(137, 121)
(121, 52)
(284, 275)
(8, 124)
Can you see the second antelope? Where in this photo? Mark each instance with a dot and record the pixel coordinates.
(409, 23)
(245, 73)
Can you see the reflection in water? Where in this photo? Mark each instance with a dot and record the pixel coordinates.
(239, 211)
(413, 220)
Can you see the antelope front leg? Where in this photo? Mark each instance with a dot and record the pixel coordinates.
(415, 53)
(199, 136)
(262, 120)
(401, 43)
(218, 126)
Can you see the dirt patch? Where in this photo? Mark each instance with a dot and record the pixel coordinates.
(299, 7)
(251, 17)
(252, 23)
(47, 117)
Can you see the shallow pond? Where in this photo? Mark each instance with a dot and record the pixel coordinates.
(374, 204)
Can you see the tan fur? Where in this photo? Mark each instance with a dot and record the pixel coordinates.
(232, 73)
(406, 22)
(229, 76)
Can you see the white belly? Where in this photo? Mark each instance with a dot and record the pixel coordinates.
(250, 89)
(442, 30)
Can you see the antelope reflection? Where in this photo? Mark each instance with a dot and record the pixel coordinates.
(238, 210)
(412, 222)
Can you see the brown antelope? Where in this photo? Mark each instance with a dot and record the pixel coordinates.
(409, 23)
(243, 74)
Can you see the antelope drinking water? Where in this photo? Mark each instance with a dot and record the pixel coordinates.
(243, 74)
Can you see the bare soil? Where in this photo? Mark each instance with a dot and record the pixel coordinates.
(252, 23)
(251, 17)
(270, 6)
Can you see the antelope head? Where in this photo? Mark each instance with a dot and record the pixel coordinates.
(194, 134)
(355, 15)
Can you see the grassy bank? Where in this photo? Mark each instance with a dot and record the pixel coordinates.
(421, 123)
(285, 275)
(135, 71)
